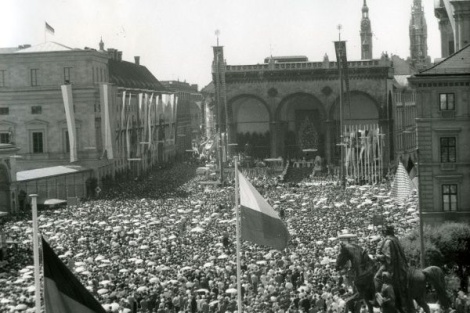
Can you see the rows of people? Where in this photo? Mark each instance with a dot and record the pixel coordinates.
(166, 243)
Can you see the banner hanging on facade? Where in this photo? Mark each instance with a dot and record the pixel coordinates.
(70, 117)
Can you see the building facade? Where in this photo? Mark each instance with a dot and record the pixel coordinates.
(85, 108)
(285, 107)
(189, 115)
(443, 129)
(404, 102)
(454, 24)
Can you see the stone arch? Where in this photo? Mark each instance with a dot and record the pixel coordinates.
(289, 98)
(302, 124)
(364, 107)
(4, 188)
(250, 122)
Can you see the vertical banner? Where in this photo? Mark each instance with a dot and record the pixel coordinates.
(70, 117)
(108, 145)
(145, 111)
(139, 116)
(123, 109)
(342, 60)
(149, 122)
(128, 134)
(137, 128)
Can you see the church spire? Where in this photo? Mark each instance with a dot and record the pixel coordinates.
(366, 34)
(418, 36)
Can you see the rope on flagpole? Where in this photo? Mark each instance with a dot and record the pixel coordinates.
(237, 210)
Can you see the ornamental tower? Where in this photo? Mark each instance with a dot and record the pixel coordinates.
(366, 34)
(418, 37)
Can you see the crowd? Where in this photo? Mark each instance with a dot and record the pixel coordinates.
(166, 243)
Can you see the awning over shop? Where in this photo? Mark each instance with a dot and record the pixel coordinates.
(49, 172)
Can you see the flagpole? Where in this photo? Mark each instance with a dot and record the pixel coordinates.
(34, 198)
(237, 210)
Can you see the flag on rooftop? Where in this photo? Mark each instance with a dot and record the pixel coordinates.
(63, 292)
(402, 185)
(49, 28)
(260, 224)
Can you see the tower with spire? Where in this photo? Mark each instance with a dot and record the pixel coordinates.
(418, 37)
(366, 34)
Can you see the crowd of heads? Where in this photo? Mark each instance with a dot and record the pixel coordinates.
(166, 243)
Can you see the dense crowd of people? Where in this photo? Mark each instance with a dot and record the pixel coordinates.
(166, 243)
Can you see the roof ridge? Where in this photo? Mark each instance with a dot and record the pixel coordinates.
(445, 59)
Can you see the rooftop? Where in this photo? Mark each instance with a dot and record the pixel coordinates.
(131, 75)
(457, 63)
(49, 46)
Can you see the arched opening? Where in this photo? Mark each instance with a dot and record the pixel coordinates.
(303, 119)
(251, 125)
(361, 112)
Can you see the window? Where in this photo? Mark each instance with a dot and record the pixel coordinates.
(446, 101)
(66, 141)
(38, 142)
(449, 197)
(37, 109)
(34, 77)
(4, 111)
(448, 150)
(67, 75)
(2, 78)
(4, 137)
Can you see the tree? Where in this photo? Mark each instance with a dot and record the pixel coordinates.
(453, 240)
(447, 245)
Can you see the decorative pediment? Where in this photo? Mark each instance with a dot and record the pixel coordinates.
(5, 125)
(36, 122)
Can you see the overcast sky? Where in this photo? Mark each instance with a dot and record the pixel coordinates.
(174, 37)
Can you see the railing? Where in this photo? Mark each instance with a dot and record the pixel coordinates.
(301, 65)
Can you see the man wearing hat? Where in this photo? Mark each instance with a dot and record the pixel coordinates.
(394, 262)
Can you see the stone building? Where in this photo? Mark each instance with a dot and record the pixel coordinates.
(84, 109)
(454, 24)
(189, 114)
(282, 99)
(443, 131)
(404, 102)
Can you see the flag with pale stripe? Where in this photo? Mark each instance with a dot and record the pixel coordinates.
(402, 185)
(260, 224)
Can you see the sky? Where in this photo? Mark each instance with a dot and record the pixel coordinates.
(174, 38)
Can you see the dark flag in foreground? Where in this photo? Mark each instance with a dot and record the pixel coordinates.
(402, 185)
(260, 224)
(63, 292)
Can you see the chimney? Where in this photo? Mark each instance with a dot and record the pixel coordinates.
(137, 60)
(119, 55)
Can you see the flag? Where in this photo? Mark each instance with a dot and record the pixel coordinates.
(402, 185)
(260, 224)
(63, 292)
(49, 28)
(413, 173)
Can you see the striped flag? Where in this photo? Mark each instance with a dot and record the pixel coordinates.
(63, 292)
(402, 185)
(260, 224)
(49, 29)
